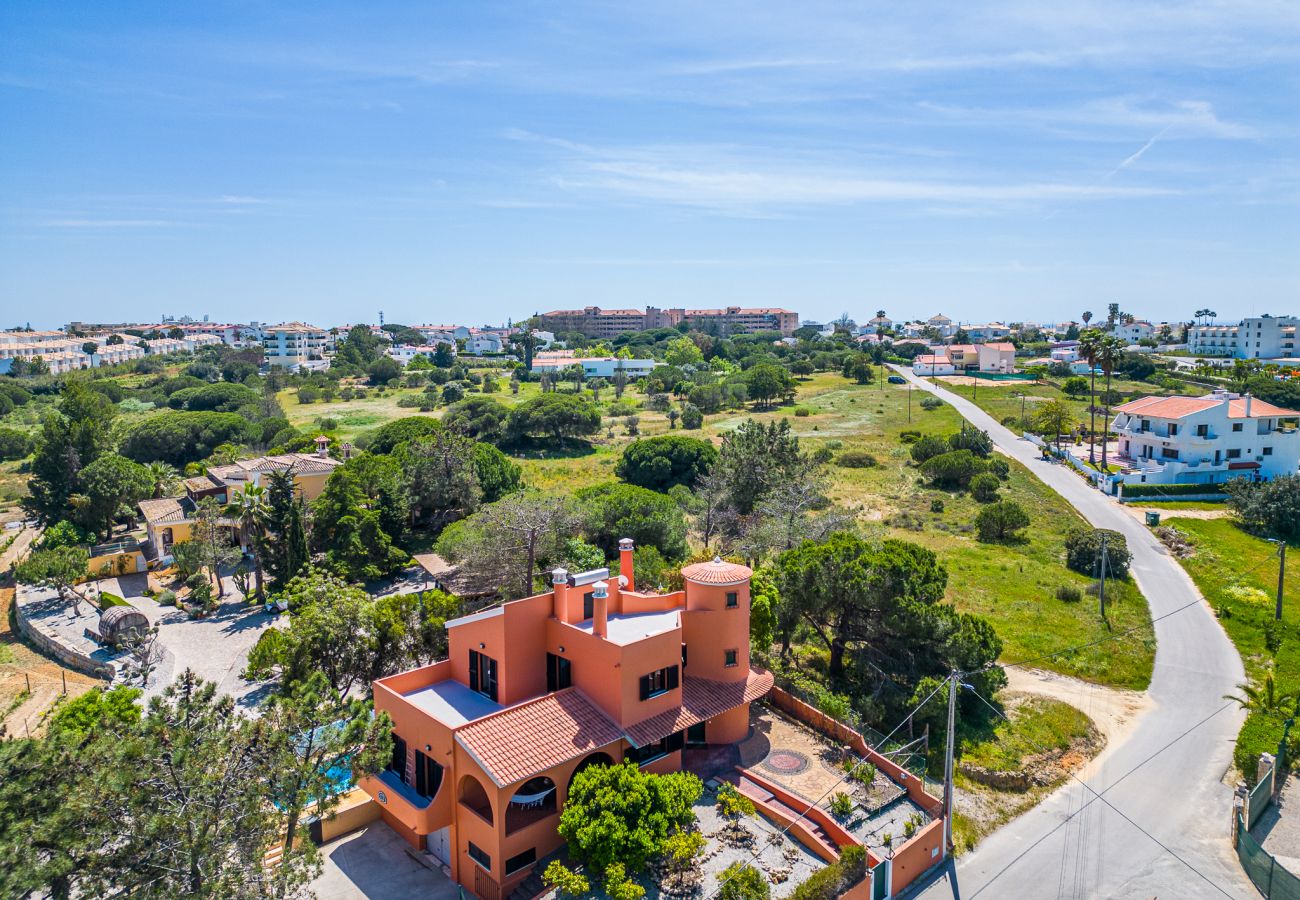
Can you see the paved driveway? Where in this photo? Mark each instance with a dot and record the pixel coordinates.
(1166, 775)
(375, 862)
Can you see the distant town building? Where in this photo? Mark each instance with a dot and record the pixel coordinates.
(595, 322)
(593, 366)
(959, 358)
(1262, 337)
(293, 344)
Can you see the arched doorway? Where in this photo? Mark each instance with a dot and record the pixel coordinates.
(471, 794)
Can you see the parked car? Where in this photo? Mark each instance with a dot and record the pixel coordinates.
(897, 379)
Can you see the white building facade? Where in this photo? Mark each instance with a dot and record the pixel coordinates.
(1262, 337)
(1206, 440)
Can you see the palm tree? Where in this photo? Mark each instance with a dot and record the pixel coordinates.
(1087, 316)
(1109, 354)
(250, 507)
(163, 477)
(1264, 698)
(1089, 343)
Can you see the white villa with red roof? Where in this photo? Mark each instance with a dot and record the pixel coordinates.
(1206, 440)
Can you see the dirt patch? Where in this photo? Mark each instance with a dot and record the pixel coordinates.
(1041, 769)
(22, 711)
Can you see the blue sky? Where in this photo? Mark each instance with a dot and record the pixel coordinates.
(476, 161)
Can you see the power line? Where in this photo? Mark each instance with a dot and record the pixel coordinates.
(1097, 796)
(843, 778)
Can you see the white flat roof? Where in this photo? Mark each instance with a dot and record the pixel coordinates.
(452, 703)
(631, 628)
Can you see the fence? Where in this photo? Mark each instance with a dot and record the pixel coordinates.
(1271, 878)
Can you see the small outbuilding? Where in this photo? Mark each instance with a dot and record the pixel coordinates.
(121, 623)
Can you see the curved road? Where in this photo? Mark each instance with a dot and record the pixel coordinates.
(1166, 776)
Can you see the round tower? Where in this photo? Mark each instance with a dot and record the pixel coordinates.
(718, 648)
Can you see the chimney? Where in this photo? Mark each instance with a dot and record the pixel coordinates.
(625, 563)
(600, 603)
(560, 584)
(347, 450)
(1248, 406)
(322, 446)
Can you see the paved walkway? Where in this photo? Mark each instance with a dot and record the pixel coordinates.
(375, 862)
(1166, 774)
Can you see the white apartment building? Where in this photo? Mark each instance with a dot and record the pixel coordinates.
(1262, 337)
(1132, 332)
(989, 331)
(595, 366)
(293, 344)
(1206, 440)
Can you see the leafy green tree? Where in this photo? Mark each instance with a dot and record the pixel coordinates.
(387, 437)
(383, 370)
(364, 551)
(692, 418)
(444, 355)
(620, 814)
(15, 444)
(285, 549)
(184, 437)
(1109, 355)
(497, 475)
(481, 418)
(767, 381)
(109, 488)
(504, 541)
(220, 397)
(63, 534)
(1267, 507)
(1083, 552)
(618, 886)
(1001, 521)
(1053, 419)
(58, 569)
(613, 511)
(764, 600)
(210, 536)
(660, 462)
(851, 592)
(972, 439)
(953, 469)
(564, 881)
(321, 732)
(1075, 387)
(71, 438)
(364, 484)
(928, 447)
(440, 477)
(984, 487)
(753, 459)
(557, 416)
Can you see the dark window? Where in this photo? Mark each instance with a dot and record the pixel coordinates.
(659, 682)
(695, 734)
(1236, 426)
(559, 672)
(483, 674)
(1146, 424)
(397, 763)
(588, 605)
(1202, 430)
(521, 861)
(428, 776)
(683, 657)
(1268, 451)
(657, 750)
(729, 658)
(1173, 429)
(1234, 453)
(476, 853)
(733, 599)
(1169, 453)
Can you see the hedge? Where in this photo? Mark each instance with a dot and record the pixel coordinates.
(1170, 490)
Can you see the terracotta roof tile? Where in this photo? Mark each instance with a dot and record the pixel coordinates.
(517, 743)
(701, 699)
(1180, 407)
(717, 571)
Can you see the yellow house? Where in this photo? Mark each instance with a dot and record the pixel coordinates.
(170, 520)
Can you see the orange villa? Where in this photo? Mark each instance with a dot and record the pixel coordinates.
(486, 743)
(593, 671)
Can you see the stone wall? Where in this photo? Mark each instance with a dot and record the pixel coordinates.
(50, 642)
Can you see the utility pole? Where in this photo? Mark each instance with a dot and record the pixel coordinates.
(909, 402)
(1281, 577)
(947, 762)
(1102, 592)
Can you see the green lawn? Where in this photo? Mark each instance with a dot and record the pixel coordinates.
(1237, 574)
(1014, 585)
(1038, 724)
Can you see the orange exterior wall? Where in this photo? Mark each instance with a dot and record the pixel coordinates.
(710, 629)
(923, 850)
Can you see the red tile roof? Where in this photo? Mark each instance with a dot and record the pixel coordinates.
(701, 699)
(717, 571)
(1180, 407)
(1002, 346)
(517, 743)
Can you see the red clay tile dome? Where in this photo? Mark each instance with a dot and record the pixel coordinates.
(717, 571)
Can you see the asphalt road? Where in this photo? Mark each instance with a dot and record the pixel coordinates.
(1167, 776)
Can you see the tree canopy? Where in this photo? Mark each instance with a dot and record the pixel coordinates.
(660, 462)
(557, 416)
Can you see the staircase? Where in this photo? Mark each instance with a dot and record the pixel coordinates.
(530, 887)
(768, 803)
(271, 861)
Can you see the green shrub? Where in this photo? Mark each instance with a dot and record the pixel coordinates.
(984, 487)
(743, 882)
(1171, 490)
(1083, 552)
(802, 412)
(106, 600)
(1069, 593)
(952, 469)
(928, 447)
(856, 459)
(841, 805)
(972, 439)
(1000, 467)
(1001, 521)
(931, 403)
(936, 505)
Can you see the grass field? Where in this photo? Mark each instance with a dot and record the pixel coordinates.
(1237, 574)
(1014, 585)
